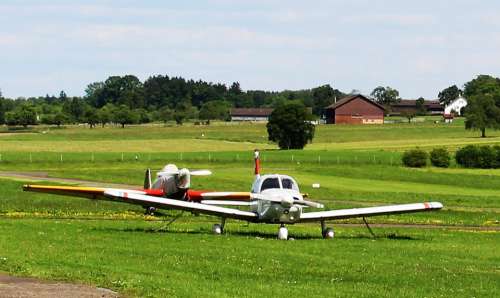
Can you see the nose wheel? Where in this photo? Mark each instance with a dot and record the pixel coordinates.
(283, 232)
(328, 233)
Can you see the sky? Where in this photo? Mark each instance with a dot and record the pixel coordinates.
(418, 47)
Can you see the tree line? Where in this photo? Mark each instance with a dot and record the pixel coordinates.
(125, 100)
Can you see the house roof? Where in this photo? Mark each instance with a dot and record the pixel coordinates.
(347, 99)
(256, 112)
(413, 102)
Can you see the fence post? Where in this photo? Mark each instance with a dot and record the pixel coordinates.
(319, 158)
(61, 158)
(92, 158)
(122, 156)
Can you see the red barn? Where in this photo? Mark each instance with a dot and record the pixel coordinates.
(355, 109)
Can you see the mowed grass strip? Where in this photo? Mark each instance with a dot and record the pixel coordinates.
(144, 259)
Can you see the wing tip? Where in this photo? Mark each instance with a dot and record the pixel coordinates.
(434, 205)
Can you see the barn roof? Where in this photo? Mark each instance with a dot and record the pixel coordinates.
(413, 103)
(257, 112)
(347, 99)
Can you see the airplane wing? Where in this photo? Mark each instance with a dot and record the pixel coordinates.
(139, 197)
(84, 192)
(165, 203)
(369, 211)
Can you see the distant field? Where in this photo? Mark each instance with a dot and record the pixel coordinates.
(116, 246)
(237, 137)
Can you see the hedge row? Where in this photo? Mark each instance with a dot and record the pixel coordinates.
(471, 156)
(417, 158)
(484, 157)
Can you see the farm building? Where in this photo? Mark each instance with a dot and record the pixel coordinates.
(432, 107)
(355, 109)
(250, 114)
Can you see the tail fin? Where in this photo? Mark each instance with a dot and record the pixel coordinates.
(257, 163)
(147, 179)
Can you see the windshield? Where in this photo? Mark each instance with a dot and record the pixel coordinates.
(270, 183)
(287, 183)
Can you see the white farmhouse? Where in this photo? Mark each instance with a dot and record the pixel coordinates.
(456, 106)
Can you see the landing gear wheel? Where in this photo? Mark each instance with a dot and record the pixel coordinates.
(328, 233)
(150, 211)
(217, 229)
(283, 233)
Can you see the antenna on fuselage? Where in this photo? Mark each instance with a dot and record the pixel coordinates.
(257, 163)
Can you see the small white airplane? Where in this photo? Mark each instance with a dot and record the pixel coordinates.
(273, 199)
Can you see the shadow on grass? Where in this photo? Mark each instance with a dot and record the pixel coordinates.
(257, 234)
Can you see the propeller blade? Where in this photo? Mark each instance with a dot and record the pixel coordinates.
(201, 172)
(193, 173)
(310, 204)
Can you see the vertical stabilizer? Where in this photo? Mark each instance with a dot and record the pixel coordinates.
(257, 163)
(147, 179)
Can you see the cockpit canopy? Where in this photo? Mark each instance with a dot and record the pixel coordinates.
(274, 182)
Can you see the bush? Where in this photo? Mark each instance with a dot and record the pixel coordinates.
(468, 156)
(484, 157)
(497, 156)
(415, 158)
(440, 158)
(487, 157)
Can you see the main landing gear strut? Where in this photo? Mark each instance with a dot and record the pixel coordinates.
(218, 229)
(328, 233)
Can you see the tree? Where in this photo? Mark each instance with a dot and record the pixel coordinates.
(23, 115)
(91, 116)
(217, 109)
(289, 126)
(420, 104)
(123, 115)
(483, 109)
(166, 114)
(105, 114)
(408, 115)
(449, 94)
(60, 118)
(481, 113)
(184, 110)
(2, 110)
(385, 95)
(323, 96)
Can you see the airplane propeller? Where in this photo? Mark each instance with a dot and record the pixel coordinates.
(173, 170)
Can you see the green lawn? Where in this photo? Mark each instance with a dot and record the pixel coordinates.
(114, 245)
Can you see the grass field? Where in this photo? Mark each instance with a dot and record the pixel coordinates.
(116, 246)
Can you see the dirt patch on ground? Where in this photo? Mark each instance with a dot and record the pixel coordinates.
(44, 176)
(21, 287)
